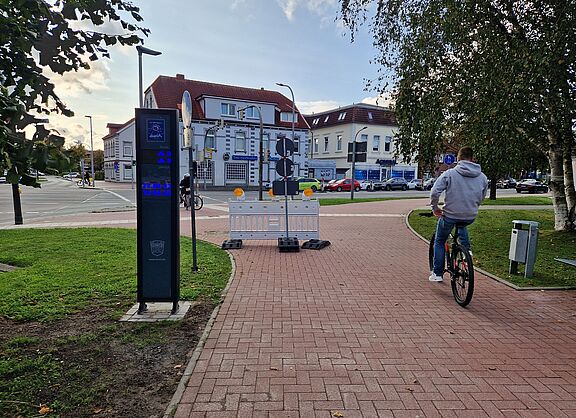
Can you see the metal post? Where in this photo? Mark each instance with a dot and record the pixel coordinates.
(91, 153)
(354, 162)
(140, 93)
(261, 163)
(192, 207)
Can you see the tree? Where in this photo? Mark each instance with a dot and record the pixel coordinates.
(500, 76)
(36, 36)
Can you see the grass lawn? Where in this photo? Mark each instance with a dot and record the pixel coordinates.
(517, 200)
(490, 239)
(61, 346)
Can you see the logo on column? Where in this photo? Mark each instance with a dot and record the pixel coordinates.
(157, 247)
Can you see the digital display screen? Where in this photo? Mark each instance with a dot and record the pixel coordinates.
(154, 156)
(155, 130)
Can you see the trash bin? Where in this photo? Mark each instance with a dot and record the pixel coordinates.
(523, 244)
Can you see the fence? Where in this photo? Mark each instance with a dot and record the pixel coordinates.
(267, 219)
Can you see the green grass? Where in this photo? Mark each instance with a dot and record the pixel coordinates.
(92, 272)
(343, 200)
(63, 271)
(528, 200)
(490, 239)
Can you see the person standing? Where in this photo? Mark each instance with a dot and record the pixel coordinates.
(465, 186)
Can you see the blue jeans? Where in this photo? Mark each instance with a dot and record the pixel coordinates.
(443, 229)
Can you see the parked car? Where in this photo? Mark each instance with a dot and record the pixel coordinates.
(71, 175)
(429, 183)
(365, 184)
(343, 185)
(416, 184)
(396, 183)
(308, 183)
(531, 186)
(508, 183)
(371, 185)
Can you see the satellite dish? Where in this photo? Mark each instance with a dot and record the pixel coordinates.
(186, 109)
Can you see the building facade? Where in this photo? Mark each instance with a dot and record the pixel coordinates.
(331, 132)
(226, 146)
(119, 152)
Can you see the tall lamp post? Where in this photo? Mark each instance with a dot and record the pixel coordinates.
(141, 50)
(293, 111)
(91, 153)
(354, 162)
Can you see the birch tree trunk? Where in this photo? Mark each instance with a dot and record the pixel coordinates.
(569, 156)
(556, 159)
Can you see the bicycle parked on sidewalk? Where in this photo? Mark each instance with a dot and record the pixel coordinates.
(185, 199)
(458, 263)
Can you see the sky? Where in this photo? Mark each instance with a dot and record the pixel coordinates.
(248, 43)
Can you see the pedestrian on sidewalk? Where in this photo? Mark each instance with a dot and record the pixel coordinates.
(465, 187)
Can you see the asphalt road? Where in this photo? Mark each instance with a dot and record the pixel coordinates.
(60, 197)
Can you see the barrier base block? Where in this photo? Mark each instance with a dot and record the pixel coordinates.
(315, 244)
(232, 244)
(288, 245)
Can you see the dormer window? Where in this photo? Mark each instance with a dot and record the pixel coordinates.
(326, 118)
(341, 116)
(228, 109)
(370, 117)
(252, 113)
(287, 117)
(315, 121)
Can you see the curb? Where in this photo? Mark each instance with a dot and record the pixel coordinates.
(175, 401)
(486, 273)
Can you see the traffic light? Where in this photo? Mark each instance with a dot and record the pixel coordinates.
(241, 114)
(194, 169)
(266, 155)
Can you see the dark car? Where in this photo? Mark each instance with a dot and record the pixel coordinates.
(427, 185)
(531, 186)
(396, 183)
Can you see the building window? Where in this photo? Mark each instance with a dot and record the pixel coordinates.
(127, 171)
(265, 142)
(296, 144)
(341, 116)
(287, 117)
(127, 147)
(363, 138)
(338, 142)
(315, 145)
(326, 118)
(325, 144)
(240, 145)
(252, 113)
(387, 141)
(315, 121)
(228, 109)
(236, 173)
(376, 143)
(210, 141)
(370, 117)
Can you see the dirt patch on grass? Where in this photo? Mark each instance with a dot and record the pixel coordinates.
(89, 365)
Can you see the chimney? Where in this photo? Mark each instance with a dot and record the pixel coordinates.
(179, 76)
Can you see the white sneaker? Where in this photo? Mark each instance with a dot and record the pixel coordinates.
(435, 278)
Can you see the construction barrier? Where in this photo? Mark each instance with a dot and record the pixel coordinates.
(267, 219)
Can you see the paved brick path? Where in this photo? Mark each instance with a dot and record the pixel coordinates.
(356, 329)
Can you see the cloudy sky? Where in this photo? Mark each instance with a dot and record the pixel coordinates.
(249, 43)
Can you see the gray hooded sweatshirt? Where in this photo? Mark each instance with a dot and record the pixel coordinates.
(465, 187)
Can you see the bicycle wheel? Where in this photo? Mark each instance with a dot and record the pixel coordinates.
(198, 202)
(462, 275)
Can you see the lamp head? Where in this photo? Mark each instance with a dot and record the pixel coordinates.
(143, 50)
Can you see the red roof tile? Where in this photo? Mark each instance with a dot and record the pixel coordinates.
(168, 94)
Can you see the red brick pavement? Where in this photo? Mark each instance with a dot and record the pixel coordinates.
(356, 329)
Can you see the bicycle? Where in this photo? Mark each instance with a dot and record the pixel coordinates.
(458, 263)
(185, 199)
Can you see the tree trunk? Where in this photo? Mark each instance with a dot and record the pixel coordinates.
(18, 220)
(493, 182)
(555, 157)
(569, 156)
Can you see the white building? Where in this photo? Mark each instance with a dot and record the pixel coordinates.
(119, 151)
(332, 130)
(232, 152)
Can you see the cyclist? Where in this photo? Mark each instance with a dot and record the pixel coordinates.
(184, 188)
(465, 186)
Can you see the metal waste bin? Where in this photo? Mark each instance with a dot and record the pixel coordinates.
(523, 244)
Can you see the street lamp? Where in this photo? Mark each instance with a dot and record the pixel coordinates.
(354, 162)
(143, 50)
(91, 153)
(261, 152)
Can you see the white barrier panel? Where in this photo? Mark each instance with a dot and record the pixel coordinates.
(267, 219)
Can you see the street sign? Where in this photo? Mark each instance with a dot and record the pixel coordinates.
(285, 167)
(449, 159)
(187, 118)
(158, 222)
(284, 146)
(280, 187)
